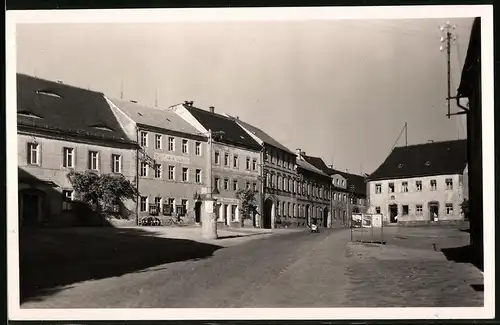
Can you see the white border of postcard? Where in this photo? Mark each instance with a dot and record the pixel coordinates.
(253, 14)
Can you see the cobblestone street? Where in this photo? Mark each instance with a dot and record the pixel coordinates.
(294, 269)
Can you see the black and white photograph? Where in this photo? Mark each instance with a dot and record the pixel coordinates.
(251, 163)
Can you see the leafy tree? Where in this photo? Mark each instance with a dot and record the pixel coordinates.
(464, 207)
(248, 202)
(102, 191)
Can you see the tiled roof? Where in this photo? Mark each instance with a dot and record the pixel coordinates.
(232, 132)
(266, 138)
(159, 118)
(63, 108)
(307, 166)
(435, 158)
(358, 181)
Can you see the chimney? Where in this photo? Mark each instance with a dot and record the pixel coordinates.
(188, 103)
(430, 141)
(59, 81)
(346, 170)
(237, 117)
(330, 166)
(299, 153)
(212, 109)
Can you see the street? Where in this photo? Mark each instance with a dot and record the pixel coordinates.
(292, 269)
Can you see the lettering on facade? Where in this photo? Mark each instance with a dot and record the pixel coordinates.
(158, 156)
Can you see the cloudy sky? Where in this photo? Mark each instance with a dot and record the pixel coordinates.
(341, 90)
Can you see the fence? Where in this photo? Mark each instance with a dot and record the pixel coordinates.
(367, 228)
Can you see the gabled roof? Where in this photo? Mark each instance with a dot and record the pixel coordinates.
(155, 117)
(232, 132)
(428, 159)
(59, 107)
(358, 181)
(263, 136)
(307, 166)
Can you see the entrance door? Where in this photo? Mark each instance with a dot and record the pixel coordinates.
(393, 212)
(266, 217)
(224, 213)
(433, 210)
(197, 212)
(30, 209)
(325, 218)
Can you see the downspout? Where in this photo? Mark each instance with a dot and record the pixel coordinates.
(262, 187)
(137, 177)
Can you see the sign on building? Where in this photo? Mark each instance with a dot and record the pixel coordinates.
(158, 156)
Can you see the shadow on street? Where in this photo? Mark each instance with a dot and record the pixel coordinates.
(53, 258)
(463, 254)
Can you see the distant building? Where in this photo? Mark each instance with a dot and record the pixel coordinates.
(280, 180)
(63, 128)
(420, 183)
(172, 165)
(236, 161)
(348, 193)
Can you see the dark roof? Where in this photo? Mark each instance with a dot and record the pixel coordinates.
(472, 65)
(428, 159)
(266, 138)
(232, 132)
(304, 164)
(358, 181)
(59, 107)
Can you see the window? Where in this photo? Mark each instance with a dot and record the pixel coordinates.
(343, 182)
(217, 183)
(185, 146)
(144, 203)
(337, 182)
(158, 141)
(68, 157)
(33, 153)
(185, 174)
(67, 198)
(158, 170)
(226, 184)
(391, 187)
(378, 188)
(248, 163)
(116, 161)
(254, 164)
(405, 210)
(345, 197)
(283, 180)
(198, 176)
(449, 208)
(93, 160)
(255, 187)
(171, 172)
(418, 209)
(419, 186)
(197, 148)
(217, 158)
(144, 139)
(158, 202)
(144, 169)
(449, 183)
(404, 187)
(226, 159)
(247, 185)
(235, 185)
(235, 161)
(377, 210)
(433, 185)
(171, 144)
(184, 204)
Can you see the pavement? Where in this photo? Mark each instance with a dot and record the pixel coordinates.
(288, 268)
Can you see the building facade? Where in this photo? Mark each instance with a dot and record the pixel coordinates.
(420, 183)
(54, 139)
(235, 163)
(172, 162)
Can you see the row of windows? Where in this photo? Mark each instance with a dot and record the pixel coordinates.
(419, 209)
(418, 186)
(171, 172)
(165, 206)
(221, 212)
(279, 158)
(250, 164)
(235, 186)
(287, 184)
(68, 161)
(171, 143)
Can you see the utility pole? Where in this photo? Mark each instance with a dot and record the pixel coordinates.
(446, 40)
(406, 133)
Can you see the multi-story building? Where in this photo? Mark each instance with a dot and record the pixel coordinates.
(313, 193)
(236, 163)
(279, 177)
(348, 193)
(172, 165)
(420, 183)
(54, 137)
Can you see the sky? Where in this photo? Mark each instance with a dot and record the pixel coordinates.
(339, 90)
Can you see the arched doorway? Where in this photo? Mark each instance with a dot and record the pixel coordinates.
(197, 211)
(325, 217)
(31, 204)
(267, 214)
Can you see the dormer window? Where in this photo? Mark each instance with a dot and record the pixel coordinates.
(28, 114)
(102, 127)
(48, 93)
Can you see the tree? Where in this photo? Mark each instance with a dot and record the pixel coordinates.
(248, 203)
(464, 207)
(102, 191)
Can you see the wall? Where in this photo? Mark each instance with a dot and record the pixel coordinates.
(413, 197)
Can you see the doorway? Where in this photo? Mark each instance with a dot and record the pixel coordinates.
(325, 218)
(266, 216)
(197, 212)
(31, 209)
(308, 217)
(433, 210)
(393, 213)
